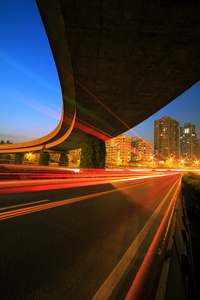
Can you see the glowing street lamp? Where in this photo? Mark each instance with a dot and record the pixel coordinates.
(30, 156)
(152, 158)
(169, 162)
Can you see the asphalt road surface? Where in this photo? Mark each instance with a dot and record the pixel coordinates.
(84, 240)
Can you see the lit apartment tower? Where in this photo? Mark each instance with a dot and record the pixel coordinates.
(118, 150)
(198, 149)
(188, 147)
(166, 138)
(141, 149)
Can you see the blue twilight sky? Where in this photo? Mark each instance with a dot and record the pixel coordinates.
(30, 97)
(184, 109)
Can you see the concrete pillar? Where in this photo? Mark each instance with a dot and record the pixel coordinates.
(19, 158)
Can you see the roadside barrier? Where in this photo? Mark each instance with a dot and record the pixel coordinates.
(167, 270)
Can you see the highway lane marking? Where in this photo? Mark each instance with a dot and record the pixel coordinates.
(36, 208)
(113, 279)
(25, 204)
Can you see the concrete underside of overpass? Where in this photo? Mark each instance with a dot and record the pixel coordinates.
(117, 58)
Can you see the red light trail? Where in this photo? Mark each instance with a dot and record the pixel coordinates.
(33, 185)
(109, 110)
(36, 208)
(87, 128)
(96, 132)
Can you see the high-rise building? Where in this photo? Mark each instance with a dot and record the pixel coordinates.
(118, 150)
(141, 150)
(188, 143)
(198, 149)
(166, 138)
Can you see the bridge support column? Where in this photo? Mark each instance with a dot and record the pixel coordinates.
(44, 158)
(19, 158)
(63, 160)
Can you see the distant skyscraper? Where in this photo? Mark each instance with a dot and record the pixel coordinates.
(166, 138)
(188, 143)
(198, 149)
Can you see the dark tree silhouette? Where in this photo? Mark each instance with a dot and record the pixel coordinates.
(93, 153)
(63, 160)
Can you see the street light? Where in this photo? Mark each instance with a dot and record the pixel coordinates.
(30, 156)
(151, 158)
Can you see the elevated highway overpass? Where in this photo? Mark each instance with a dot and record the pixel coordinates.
(118, 63)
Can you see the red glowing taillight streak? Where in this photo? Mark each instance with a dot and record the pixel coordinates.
(97, 132)
(32, 209)
(37, 208)
(54, 186)
(108, 109)
(35, 175)
(87, 129)
(84, 126)
(148, 276)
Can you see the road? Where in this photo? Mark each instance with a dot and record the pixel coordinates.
(82, 239)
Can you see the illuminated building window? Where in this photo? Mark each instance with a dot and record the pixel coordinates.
(187, 130)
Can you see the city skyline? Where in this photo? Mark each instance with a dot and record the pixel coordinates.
(184, 109)
(31, 101)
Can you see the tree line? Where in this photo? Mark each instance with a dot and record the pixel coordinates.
(93, 155)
